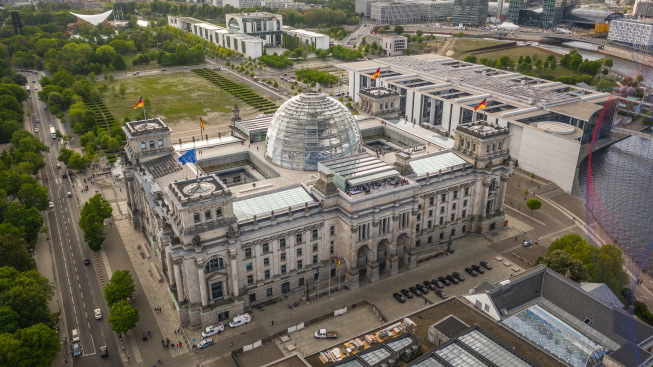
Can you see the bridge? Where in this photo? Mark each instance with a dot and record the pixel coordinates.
(571, 37)
(646, 132)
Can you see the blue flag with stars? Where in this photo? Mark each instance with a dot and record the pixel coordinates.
(188, 157)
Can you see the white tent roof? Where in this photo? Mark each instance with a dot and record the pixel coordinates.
(94, 19)
(508, 25)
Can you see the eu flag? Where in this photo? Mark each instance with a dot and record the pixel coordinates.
(188, 157)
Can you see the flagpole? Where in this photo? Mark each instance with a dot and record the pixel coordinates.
(144, 114)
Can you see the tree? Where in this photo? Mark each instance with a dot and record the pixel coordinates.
(118, 62)
(27, 294)
(94, 232)
(39, 345)
(8, 321)
(470, 58)
(15, 253)
(122, 316)
(399, 29)
(605, 86)
(419, 33)
(564, 264)
(123, 90)
(533, 204)
(33, 195)
(120, 287)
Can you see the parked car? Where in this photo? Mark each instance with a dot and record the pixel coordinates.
(471, 272)
(478, 269)
(415, 291)
(527, 244)
(437, 283)
(442, 294)
(423, 289)
(444, 281)
(104, 351)
(76, 349)
(406, 293)
(38, 121)
(240, 320)
(75, 336)
(50, 205)
(205, 343)
(212, 330)
(325, 334)
(486, 265)
(458, 276)
(87, 261)
(451, 279)
(399, 297)
(98, 314)
(70, 194)
(430, 285)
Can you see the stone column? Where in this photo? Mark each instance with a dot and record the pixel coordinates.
(502, 193)
(204, 295)
(412, 257)
(392, 261)
(178, 281)
(171, 275)
(432, 116)
(373, 270)
(351, 278)
(234, 272)
(484, 196)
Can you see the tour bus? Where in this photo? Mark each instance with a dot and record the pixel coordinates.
(53, 132)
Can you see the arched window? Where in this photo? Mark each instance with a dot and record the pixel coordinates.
(217, 263)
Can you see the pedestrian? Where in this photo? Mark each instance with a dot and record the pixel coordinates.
(272, 322)
(425, 301)
(175, 332)
(232, 344)
(515, 239)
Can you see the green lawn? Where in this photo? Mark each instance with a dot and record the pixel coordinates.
(466, 44)
(176, 97)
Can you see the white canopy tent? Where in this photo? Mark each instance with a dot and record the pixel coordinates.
(94, 19)
(508, 26)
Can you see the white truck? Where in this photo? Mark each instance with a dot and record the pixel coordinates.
(324, 334)
(212, 330)
(240, 320)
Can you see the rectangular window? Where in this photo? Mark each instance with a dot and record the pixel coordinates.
(441, 210)
(332, 230)
(441, 220)
(441, 235)
(282, 256)
(285, 287)
(314, 259)
(299, 251)
(207, 215)
(300, 282)
(455, 194)
(315, 247)
(249, 267)
(453, 232)
(266, 261)
(283, 269)
(417, 228)
(196, 217)
(268, 292)
(418, 217)
(464, 213)
(453, 217)
(466, 191)
(453, 206)
(417, 243)
(314, 234)
(298, 238)
(431, 201)
(218, 212)
(267, 274)
(465, 203)
(332, 248)
(430, 224)
(444, 197)
(300, 264)
(430, 213)
(266, 248)
(464, 229)
(216, 290)
(430, 239)
(282, 243)
(248, 252)
(250, 279)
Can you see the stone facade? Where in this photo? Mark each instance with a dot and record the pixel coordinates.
(219, 262)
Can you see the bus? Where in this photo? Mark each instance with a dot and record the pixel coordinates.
(53, 132)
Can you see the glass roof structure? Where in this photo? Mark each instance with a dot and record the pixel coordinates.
(435, 163)
(265, 203)
(374, 357)
(491, 350)
(429, 362)
(557, 337)
(310, 128)
(399, 344)
(456, 356)
(358, 169)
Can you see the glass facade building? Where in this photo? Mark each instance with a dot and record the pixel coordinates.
(310, 128)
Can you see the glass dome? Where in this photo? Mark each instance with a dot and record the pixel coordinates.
(310, 128)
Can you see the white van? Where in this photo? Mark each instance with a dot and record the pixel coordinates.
(240, 320)
(212, 330)
(75, 338)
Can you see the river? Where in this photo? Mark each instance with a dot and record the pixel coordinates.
(618, 192)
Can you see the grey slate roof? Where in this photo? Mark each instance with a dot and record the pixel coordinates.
(631, 355)
(450, 326)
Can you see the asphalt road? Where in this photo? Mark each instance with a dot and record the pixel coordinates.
(78, 285)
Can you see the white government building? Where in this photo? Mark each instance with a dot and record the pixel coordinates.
(285, 195)
(550, 123)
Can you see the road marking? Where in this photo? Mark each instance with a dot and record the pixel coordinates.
(525, 215)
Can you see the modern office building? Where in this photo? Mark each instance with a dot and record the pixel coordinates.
(545, 118)
(249, 224)
(393, 45)
(263, 25)
(643, 8)
(469, 12)
(282, 4)
(632, 32)
(395, 13)
(365, 6)
(293, 37)
(242, 4)
(431, 11)
(247, 45)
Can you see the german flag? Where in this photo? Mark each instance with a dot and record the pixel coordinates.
(141, 103)
(377, 73)
(483, 104)
(201, 123)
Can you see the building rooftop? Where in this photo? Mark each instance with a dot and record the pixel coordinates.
(437, 162)
(258, 14)
(94, 19)
(279, 201)
(302, 32)
(357, 170)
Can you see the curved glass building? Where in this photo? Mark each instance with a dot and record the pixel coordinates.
(310, 128)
